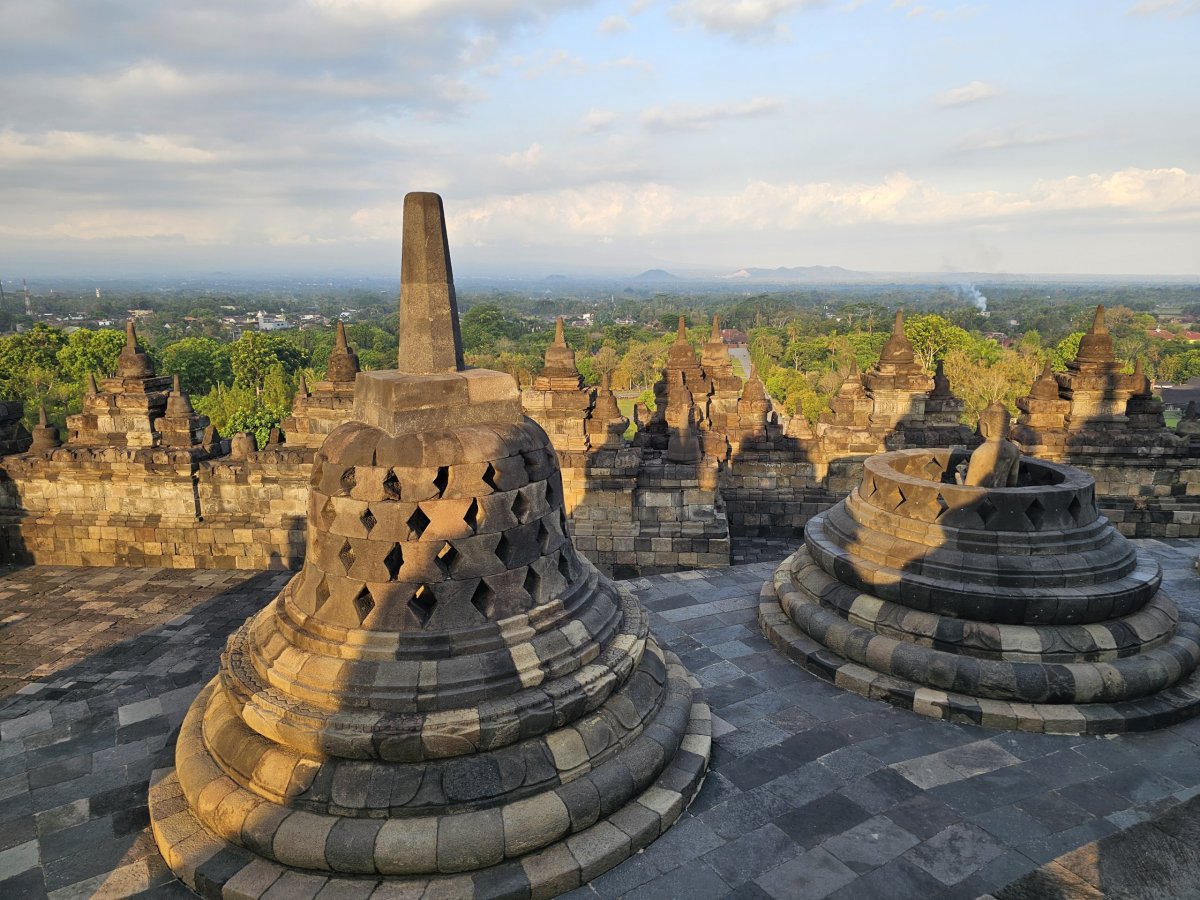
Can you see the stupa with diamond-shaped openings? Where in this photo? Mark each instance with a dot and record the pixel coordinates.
(447, 700)
(1011, 606)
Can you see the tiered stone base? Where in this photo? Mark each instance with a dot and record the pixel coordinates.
(844, 636)
(539, 846)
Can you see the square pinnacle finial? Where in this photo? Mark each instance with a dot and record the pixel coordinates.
(429, 337)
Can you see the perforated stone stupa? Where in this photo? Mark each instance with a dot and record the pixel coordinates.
(1011, 607)
(447, 700)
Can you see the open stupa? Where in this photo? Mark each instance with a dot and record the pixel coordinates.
(447, 700)
(987, 590)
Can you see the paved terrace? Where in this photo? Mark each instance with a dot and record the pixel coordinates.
(813, 792)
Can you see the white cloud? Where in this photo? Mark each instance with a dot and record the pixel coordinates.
(637, 64)
(74, 146)
(1142, 196)
(526, 159)
(558, 61)
(966, 94)
(914, 10)
(740, 17)
(1170, 8)
(687, 118)
(1009, 138)
(614, 25)
(596, 120)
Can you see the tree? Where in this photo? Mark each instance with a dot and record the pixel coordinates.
(90, 352)
(199, 362)
(933, 337)
(253, 355)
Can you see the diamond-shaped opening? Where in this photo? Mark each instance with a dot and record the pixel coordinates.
(446, 557)
(1035, 513)
(442, 479)
(489, 477)
(348, 480)
(942, 506)
(422, 604)
(521, 507)
(533, 584)
(562, 520)
(551, 494)
(986, 511)
(543, 536)
(346, 555)
(933, 469)
(564, 566)
(473, 516)
(368, 519)
(321, 594)
(328, 514)
(484, 599)
(1075, 508)
(393, 561)
(871, 488)
(504, 550)
(417, 523)
(363, 604)
(900, 499)
(391, 485)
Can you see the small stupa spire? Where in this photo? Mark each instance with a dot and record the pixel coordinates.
(716, 329)
(1098, 324)
(560, 339)
(430, 342)
(42, 421)
(92, 388)
(339, 341)
(681, 333)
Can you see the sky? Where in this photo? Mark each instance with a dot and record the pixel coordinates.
(571, 137)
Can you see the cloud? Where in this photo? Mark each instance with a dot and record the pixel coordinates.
(637, 64)
(966, 94)
(1140, 196)
(690, 118)
(1170, 8)
(558, 61)
(1007, 139)
(614, 25)
(596, 120)
(740, 18)
(914, 10)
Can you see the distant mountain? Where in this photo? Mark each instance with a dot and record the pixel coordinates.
(798, 274)
(557, 278)
(656, 275)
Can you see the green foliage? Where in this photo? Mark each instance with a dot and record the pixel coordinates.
(29, 371)
(1065, 350)
(483, 326)
(254, 354)
(200, 362)
(93, 352)
(933, 337)
(238, 408)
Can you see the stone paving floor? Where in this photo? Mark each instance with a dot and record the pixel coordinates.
(813, 792)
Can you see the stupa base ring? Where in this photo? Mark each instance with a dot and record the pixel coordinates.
(1176, 703)
(216, 868)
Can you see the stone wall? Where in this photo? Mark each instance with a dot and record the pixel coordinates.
(115, 506)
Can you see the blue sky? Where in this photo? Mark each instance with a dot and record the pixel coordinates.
(693, 135)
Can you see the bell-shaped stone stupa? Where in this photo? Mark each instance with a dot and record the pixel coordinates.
(1003, 601)
(447, 700)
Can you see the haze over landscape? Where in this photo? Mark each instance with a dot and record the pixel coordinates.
(695, 136)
